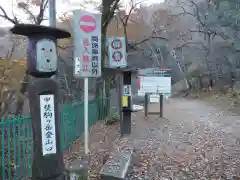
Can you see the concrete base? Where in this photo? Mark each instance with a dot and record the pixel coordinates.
(117, 165)
(78, 169)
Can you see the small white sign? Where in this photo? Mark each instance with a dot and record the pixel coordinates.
(154, 98)
(48, 124)
(127, 91)
(158, 85)
(117, 52)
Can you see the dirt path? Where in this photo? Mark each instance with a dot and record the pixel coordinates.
(195, 140)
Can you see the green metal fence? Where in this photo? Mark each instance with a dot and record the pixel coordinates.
(16, 136)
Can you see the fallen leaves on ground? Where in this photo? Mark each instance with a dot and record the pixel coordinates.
(190, 149)
(101, 139)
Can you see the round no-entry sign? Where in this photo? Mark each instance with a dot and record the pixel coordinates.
(87, 23)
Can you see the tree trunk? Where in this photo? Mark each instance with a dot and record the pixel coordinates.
(181, 70)
(126, 37)
(207, 60)
(23, 90)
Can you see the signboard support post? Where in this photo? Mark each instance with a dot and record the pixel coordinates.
(117, 166)
(86, 116)
(120, 94)
(87, 64)
(125, 127)
(87, 55)
(146, 105)
(161, 105)
(155, 81)
(44, 99)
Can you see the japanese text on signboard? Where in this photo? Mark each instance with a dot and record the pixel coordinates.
(86, 54)
(77, 65)
(48, 124)
(95, 55)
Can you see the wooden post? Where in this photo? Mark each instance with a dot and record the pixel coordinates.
(44, 100)
(44, 110)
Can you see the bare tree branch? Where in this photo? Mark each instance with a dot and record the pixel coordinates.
(25, 8)
(186, 44)
(108, 14)
(211, 32)
(153, 36)
(5, 16)
(197, 14)
(42, 8)
(126, 17)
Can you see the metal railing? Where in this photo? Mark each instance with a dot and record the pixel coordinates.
(16, 136)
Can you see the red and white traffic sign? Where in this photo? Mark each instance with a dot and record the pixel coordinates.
(117, 52)
(116, 44)
(87, 23)
(117, 56)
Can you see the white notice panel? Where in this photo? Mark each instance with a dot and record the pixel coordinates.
(48, 124)
(157, 85)
(87, 41)
(117, 52)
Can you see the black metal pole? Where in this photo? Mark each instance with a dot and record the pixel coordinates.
(146, 105)
(120, 94)
(127, 110)
(161, 105)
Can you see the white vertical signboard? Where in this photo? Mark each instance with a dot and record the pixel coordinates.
(87, 42)
(48, 124)
(117, 52)
(87, 54)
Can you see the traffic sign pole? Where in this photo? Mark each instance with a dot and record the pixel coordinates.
(86, 116)
(87, 54)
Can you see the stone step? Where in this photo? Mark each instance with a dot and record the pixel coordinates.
(118, 165)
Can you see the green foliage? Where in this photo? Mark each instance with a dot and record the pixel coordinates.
(113, 117)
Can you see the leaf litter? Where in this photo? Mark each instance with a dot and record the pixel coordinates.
(189, 149)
